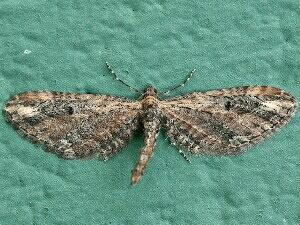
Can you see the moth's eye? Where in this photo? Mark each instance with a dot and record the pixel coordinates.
(70, 110)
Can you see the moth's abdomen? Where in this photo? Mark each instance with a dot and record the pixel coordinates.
(151, 125)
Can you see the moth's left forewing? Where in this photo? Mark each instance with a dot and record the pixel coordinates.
(225, 122)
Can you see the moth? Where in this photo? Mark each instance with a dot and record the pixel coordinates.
(218, 122)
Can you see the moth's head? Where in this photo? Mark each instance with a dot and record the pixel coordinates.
(150, 91)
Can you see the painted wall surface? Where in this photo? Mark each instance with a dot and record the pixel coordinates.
(63, 45)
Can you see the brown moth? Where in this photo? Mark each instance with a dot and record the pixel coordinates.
(219, 122)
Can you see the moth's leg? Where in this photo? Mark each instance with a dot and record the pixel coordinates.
(179, 150)
(184, 155)
(112, 72)
(181, 84)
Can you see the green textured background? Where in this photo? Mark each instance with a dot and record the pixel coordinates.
(62, 46)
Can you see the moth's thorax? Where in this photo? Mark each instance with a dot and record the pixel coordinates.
(149, 102)
(149, 98)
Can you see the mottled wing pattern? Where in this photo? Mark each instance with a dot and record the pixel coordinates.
(225, 122)
(74, 125)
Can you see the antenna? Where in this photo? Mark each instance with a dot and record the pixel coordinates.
(112, 72)
(189, 76)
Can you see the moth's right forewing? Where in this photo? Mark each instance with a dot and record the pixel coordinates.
(227, 121)
(74, 125)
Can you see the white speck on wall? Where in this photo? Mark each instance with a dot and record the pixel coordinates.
(26, 51)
